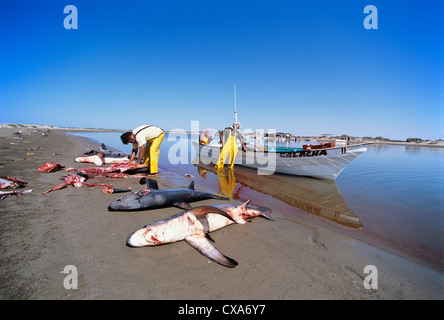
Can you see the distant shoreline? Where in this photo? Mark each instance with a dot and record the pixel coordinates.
(353, 140)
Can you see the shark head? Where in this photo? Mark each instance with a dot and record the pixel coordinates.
(129, 202)
(142, 238)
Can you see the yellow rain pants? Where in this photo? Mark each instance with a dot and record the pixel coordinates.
(230, 147)
(151, 154)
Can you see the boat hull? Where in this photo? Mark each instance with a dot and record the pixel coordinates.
(325, 163)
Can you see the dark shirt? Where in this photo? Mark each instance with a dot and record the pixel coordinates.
(233, 132)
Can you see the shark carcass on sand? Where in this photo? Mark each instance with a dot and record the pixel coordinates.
(194, 226)
(151, 197)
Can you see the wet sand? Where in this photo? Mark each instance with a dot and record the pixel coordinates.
(278, 260)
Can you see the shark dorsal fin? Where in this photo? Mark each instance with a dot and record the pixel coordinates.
(244, 205)
(152, 184)
(191, 186)
(149, 183)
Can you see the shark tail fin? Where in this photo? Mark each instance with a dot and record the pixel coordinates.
(265, 212)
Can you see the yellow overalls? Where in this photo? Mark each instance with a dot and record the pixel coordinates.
(151, 154)
(230, 146)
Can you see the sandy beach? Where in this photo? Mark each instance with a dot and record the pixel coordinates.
(278, 260)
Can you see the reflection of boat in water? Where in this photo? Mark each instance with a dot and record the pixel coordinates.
(320, 198)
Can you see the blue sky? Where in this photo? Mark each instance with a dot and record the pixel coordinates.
(305, 67)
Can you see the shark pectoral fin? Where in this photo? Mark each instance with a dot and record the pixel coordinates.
(183, 205)
(205, 247)
(209, 237)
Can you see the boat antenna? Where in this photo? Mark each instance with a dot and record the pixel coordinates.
(235, 107)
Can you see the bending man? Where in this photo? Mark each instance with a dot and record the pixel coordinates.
(146, 140)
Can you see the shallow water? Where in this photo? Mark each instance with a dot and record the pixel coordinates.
(390, 197)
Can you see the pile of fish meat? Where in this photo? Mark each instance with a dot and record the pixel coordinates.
(11, 183)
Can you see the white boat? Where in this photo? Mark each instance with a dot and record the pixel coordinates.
(324, 163)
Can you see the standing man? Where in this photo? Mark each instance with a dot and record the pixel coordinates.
(229, 138)
(146, 140)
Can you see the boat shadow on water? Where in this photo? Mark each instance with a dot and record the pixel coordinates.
(318, 197)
